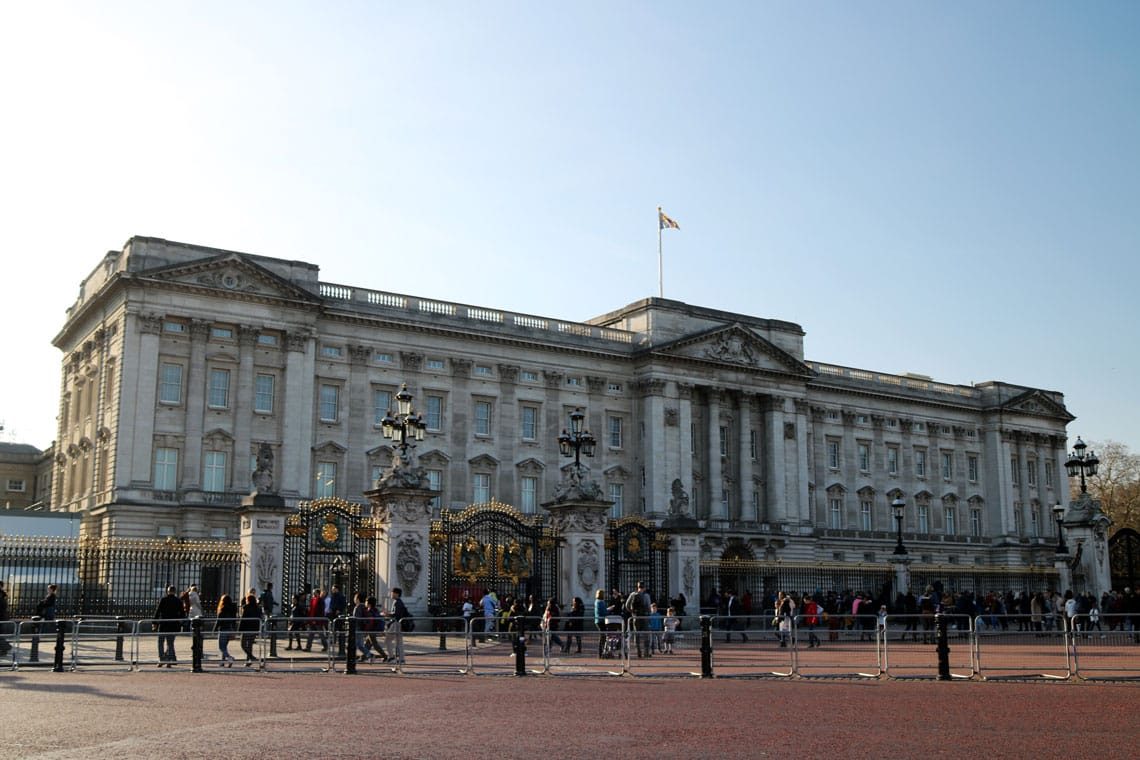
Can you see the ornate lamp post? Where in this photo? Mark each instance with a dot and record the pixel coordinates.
(578, 441)
(1080, 463)
(1059, 513)
(899, 508)
(403, 425)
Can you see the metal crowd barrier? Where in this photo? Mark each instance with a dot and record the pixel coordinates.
(1019, 651)
(824, 650)
(1106, 647)
(908, 645)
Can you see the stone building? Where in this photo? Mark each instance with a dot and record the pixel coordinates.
(180, 360)
(25, 476)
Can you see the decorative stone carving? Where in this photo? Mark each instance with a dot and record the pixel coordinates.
(411, 360)
(247, 336)
(569, 522)
(689, 578)
(508, 373)
(732, 348)
(408, 563)
(460, 367)
(228, 279)
(588, 564)
(262, 477)
(553, 378)
(672, 416)
(403, 474)
(679, 504)
(359, 354)
(574, 487)
(651, 386)
(199, 329)
(297, 342)
(790, 431)
(595, 384)
(685, 391)
(267, 564)
(150, 324)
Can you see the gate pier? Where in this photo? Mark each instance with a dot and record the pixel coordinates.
(581, 554)
(402, 559)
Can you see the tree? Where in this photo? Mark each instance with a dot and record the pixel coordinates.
(1116, 484)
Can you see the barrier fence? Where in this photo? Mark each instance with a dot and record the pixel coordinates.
(1100, 647)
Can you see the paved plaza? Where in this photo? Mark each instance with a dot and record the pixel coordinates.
(244, 713)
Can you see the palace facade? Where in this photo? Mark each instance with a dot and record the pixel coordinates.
(179, 361)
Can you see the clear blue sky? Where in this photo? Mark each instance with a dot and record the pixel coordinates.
(943, 188)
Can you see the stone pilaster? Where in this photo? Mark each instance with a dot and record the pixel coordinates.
(262, 519)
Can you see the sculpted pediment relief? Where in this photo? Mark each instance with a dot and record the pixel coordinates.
(736, 345)
(1037, 403)
(232, 273)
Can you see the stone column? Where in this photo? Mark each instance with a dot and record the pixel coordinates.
(297, 414)
(654, 456)
(243, 408)
(775, 462)
(685, 433)
(195, 394)
(402, 559)
(139, 379)
(1086, 535)
(746, 486)
(581, 525)
(685, 565)
(263, 543)
(717, 510)
(359, 422)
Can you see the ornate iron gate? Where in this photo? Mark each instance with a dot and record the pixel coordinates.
(490, 546)
(638, 551)
(329, 543)
(1124, 558)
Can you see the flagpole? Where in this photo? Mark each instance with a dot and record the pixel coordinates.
(660, 260)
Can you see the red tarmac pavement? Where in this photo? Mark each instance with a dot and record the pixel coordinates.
(177, 714)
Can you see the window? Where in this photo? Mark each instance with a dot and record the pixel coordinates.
(329, 403)
(862, 419)
(725, 500)
(214, 471)
(218, 533)
(833, 454)
(481, 488)
(528, 494)
(975, 522)
(573, 380)
(972, 468)
(892, 423)
(383, 358)
(864, 450)
(919, 463)
(222, 333)
(332, 352)
(483, 370)
(919, 427)
(723, 437)
(951, 521)
(381, 404)
(1048, 474)
(947, 465)
(483, 418)
(529, 423)
(752, 448)
(923, 518)
(435, 483)
(174, 327)
(1014, 471)
(1035, 520)
(170, 384)
(1017, 519)
(617, 496)
(267, 339)
(614, 424)
(835, 513)
(434, 414)
(529, 376)
(263, 392)
(434, 364)
(892, 460)
(865, 515)
(1031, 472)
(218, 394)
(613, 387)
(833, 415)
(693, 437)
(325, 485)
(17, 485)
(165, 469)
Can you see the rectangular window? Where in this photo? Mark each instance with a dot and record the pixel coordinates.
(214, 471)
(1035, 521)
(381, 404)
(617, 496)
(263, 392)
(483, 418)
(1017, 520)
(892, 460)
(222, 333)
(919, 463)
(383, 358)
(434, 364)
(951, 521)
(923, 518)
(165, 469)
(756, 501)
(17, 485)
(833, 454)
(170, 384)
(332, 352)
(723, 438)
(975, 522)
(1014, 471)
(330, 403)
(573, 380)
(481, 488)
(615, 432)
(435, 483)
(1048, 474)
(947, 465)
(835, 513)
(693, 437)
(613, 387)
(325, 485)
(433, 417)
(483, 370)
(752, 449)
(864, 457)
(219, 391)
(972, 468)
(865, 515)
(529, 376)
(528, 494)
(174, 327)
(529, 423)
(1031, 472)
(267, 339)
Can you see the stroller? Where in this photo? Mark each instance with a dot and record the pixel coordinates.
(613, 645)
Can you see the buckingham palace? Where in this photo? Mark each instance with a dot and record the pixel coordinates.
(182, 362)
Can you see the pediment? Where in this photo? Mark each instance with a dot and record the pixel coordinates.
(329, 448)
(735, 345)
(434, 457)
(530, 464)
(231, 273)
(1037, 403)
(484, 461)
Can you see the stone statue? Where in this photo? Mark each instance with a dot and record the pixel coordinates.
(679, 504)
(403, 474)
(576, 488)
(262, 477)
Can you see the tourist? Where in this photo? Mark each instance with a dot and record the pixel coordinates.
(250, 626)
(785, 610)
(5, 647)
(297, 614)
(656, 628)
(573, 626)
(194, 602)
(376, 624)
(394, 625)
(318, 621)
(549, 626)
(636, 607)
(490, 606)
(168, 617)
(810, 619)
(224, 625)
(268, 604)
(670, 625)
(601, 610)
(733, 618)
(360, 615)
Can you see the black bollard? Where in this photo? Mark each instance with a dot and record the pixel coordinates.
(196, 644)
(34, 647)
(120, 629)
(940, 623)
(60, 632)
(706, 647)
(520, 645)
(350, 655)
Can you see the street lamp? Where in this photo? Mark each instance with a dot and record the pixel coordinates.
(899, 508)
(578, 440)
(1059, 512)
(405, 424)
(1080, 463)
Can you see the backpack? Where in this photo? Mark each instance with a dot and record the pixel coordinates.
(637, 605)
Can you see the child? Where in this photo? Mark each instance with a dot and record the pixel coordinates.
(670, 623)
(656, 626)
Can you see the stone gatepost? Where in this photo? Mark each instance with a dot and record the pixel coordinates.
(684, 549)
(1086, 533)
(581, 526)
(403, 555)
(901, 564)
(262, 543)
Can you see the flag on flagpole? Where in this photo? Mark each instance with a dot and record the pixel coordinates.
(665, 222)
